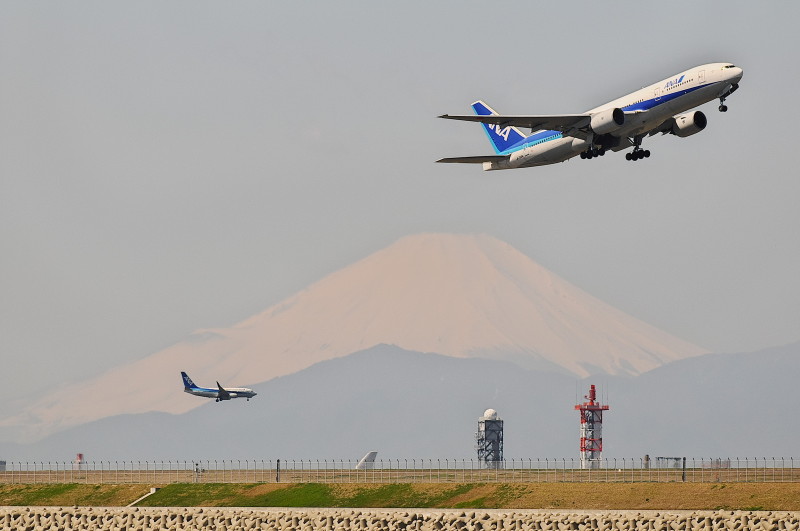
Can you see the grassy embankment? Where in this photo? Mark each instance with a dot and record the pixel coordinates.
(689, 496)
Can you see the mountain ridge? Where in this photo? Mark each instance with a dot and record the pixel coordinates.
(409, 404)
(457, 295)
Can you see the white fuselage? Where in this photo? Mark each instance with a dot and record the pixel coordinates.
(645, 110)
(230, 392)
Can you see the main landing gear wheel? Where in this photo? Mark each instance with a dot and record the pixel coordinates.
(592, 153)
(637, 154)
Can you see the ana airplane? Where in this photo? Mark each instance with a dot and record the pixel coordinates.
(220, 393)
(620, 124)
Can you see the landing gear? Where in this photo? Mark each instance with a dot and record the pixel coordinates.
(638, 153)
(722, 106)
(592, 153)
(216, 400)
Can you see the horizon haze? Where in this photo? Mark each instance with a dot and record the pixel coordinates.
(170, 167)
(464, 296)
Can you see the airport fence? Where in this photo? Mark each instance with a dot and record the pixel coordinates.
(546, 470)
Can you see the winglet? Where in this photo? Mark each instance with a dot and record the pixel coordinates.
(223, 394)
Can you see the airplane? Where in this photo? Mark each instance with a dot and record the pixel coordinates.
(664, 107)
(220, 393)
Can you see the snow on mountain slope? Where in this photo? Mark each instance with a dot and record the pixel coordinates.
(457, 295)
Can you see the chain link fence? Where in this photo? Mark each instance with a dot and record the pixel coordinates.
(543, 470)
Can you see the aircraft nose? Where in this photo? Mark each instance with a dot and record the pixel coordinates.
(737, 74)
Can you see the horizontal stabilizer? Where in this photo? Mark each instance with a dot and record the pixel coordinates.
(475, 160)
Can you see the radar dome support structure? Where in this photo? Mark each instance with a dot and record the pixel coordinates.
(490, 439)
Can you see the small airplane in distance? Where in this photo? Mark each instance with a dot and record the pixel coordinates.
(663, 107)
(220, 393)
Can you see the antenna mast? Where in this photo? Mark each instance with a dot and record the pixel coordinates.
(591, 429)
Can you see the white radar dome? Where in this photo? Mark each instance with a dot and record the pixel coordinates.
(490, 414)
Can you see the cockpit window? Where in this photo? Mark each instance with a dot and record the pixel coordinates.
(728, 66)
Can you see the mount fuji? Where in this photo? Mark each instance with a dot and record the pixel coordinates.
(463, 296)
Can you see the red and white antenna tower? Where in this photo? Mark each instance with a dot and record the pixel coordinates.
(591, 430)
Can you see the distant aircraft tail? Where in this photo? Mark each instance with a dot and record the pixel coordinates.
(187, 382)
(367, 462)
(502, 138)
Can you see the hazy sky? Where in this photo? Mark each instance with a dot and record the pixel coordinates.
(169, 166)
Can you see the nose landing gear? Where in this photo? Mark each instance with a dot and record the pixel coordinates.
(722, 106)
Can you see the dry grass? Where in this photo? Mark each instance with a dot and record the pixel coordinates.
(661, 496)
(71, 494)
(694, 496)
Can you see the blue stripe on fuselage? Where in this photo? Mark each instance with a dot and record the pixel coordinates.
(534, 139)
(203, 389)
(646, 105)
(547, 136)
(216, 391)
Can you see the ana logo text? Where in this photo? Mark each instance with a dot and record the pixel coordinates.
(674, 82)
(500, 132)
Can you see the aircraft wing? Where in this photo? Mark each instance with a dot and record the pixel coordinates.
(223, 394)
(555, 122)
(663, 128)
(474, 160)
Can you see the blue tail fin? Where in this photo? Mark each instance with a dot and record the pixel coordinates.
(187, 382)
(502, 138)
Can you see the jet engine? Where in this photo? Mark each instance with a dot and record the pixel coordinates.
(607, 121)
(689, 124)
